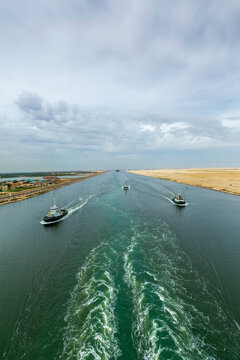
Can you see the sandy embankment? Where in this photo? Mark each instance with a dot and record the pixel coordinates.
(220, 179)
(6, 198)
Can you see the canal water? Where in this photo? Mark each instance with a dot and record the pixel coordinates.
(128, 275)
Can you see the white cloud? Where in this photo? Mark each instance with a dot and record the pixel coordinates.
(185, 140)
(174, 127)
(145, 127)
(233, 125)
(53, 127)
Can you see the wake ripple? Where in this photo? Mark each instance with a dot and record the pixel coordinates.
(175, 316)
(79, 205)
(91, 324)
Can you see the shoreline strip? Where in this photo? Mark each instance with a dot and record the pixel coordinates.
(226, 180)
(26, 194)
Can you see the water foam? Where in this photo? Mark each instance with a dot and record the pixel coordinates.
(144, 329)
(170, 300)
(82, 202)
(91, 324)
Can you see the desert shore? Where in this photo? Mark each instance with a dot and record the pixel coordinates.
(220, 179)
(25, 194)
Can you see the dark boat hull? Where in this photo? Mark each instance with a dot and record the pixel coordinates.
(47, 220)
(179, 203)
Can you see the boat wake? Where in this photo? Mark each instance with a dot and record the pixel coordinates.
(71, 209)
(166, 310)
(81, 203)
(158, 193)
(91, 324)
(173, 313)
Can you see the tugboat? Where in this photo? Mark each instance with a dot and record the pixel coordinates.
(54, 215)
(125, 187)
(179, 200)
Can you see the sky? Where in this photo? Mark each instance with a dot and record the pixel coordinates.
(104, 84)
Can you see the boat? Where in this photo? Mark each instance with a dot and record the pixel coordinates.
(125, 187)
(179, 200)
(54, 215)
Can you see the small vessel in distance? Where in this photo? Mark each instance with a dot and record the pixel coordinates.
(126, 186)
(54, 215)
(179, 200)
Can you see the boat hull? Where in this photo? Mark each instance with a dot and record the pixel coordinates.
(48, 220)
(179, 203)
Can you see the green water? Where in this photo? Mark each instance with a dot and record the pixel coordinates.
(126, 276)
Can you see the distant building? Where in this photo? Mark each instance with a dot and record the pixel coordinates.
(5, 187)
(51, 179)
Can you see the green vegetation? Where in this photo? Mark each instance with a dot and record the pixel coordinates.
(18, 189)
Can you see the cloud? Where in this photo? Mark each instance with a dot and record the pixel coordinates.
(133, 76)
(173, 127)
(54, 132)
(175, 57)
(76, 128)
(146, 127)
(29, 102)
(36, 108)
(233, 125)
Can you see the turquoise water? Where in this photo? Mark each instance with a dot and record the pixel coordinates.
(126, 276)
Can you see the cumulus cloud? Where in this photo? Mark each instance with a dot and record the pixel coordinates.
(65, 131)
(29, 102)
(107, 130)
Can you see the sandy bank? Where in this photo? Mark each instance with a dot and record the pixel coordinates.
(220, 179)
(25, 194)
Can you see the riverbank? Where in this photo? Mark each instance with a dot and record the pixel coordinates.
(25, 194)
(220, 179)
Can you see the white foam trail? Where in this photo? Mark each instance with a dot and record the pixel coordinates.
(170, 192)
(163, 321)
(170, 200)
(144, 329)
(72, 209)
(91, 324)
(67, 206)
(152, 187)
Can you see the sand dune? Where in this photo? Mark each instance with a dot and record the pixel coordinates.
(220, 179)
